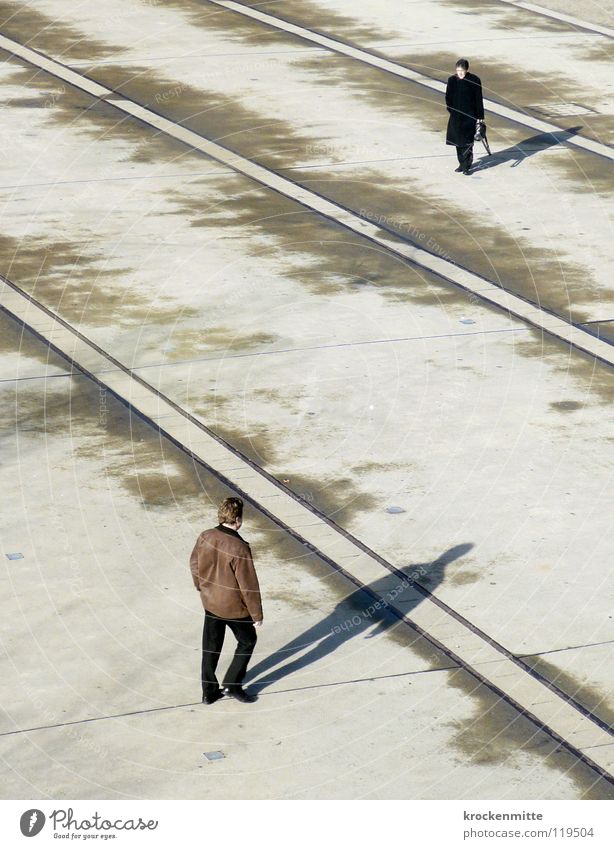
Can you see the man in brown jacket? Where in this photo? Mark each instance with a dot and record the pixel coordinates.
(223, 572)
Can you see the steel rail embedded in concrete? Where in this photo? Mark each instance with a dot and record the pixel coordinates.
(449, 271)
(586, 737)
(338, 46)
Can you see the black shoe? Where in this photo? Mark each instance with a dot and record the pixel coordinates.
(214, 697)
(459, 169)
(239, 694)
(467, 172)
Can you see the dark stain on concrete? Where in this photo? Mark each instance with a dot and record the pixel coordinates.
(291, 599)
(208, 408)
(73, 280)
(183, 343)
(337, 498)
(405, 636)
(15, 338)
(584, 172)
(370, 466)
(460, 577)
(321, 255)
(99, 427)
(52, 36)
(233, 27)
(64, 106)
(446, 229)
(498, 734)
(591, 377)
(391, 96)
(270, 140)
(599, 50)
(258, 445)
(299, 12)
(566, 406)
(587, 695)
(508, 18)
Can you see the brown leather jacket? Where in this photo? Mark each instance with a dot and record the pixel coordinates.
(224, 574)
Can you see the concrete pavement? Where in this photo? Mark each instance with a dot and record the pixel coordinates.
(101, 631)
(307, 349)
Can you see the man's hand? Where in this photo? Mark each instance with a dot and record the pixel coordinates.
(258, 624)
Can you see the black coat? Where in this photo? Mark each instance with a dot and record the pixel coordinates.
(465, 105)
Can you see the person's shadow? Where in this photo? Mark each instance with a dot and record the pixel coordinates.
(519, 152)
(356, 614)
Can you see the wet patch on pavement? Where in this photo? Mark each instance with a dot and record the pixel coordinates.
(339, 499)
(583, 172)
(235, 27)
(393, 97)
(213, 115)
(15, 338)
(258, 446)
(460, 577)
(592, 377)
(63, 105)
(52, 36)
(190, 343)
(566, 406)
(506, 18)
(602, 50)
(539, 275)
(319, 254)
(309, 15)
(582, 692)
(75, 283)
(498, 734)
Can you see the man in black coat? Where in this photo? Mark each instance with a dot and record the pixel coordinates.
(466, 107)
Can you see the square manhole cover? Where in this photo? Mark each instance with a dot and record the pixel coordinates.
(214, 756)
(15, 555)
(562, 109)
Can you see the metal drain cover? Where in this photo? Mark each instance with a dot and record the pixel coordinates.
(214, 756)
(562, 109)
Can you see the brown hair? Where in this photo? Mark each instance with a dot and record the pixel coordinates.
(230, 510)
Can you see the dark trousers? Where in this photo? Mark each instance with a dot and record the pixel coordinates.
(214, 629)
(465, 155)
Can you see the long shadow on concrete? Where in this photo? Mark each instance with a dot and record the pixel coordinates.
(519, 152)
(354, 615)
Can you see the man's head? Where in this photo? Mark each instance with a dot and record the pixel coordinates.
(230, 512)
(462, 66)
